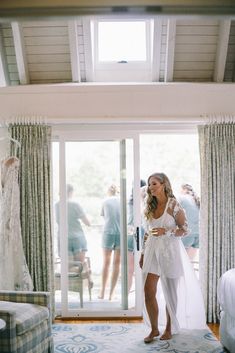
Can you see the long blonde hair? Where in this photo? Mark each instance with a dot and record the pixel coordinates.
(152, 201)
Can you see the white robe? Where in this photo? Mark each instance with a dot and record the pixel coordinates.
(180, 287)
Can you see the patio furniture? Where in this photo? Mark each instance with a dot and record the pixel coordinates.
(78, 273)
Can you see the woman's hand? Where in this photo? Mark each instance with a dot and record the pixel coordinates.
(157, 232)
(141, 261)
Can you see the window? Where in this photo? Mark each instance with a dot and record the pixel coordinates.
(122, 42)
(122, 49)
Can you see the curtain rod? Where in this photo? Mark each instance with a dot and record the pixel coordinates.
(193, 121)
(197, 120)
(24, 120)
(219, 118)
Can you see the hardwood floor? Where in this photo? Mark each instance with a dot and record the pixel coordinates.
(214, 327)
(97, 320)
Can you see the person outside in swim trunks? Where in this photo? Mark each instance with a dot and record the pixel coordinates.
(111, 240)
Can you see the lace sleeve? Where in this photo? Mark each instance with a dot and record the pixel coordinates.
(180, 218)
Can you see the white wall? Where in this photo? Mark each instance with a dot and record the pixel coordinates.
(164, 101)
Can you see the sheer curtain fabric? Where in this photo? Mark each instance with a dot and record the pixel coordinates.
(217, 223)
(35, 203)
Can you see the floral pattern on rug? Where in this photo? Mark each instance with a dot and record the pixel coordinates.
(128, 338)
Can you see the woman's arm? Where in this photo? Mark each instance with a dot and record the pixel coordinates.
(86, 221)
(180, 219)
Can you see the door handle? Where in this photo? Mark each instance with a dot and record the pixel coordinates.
(137, 238)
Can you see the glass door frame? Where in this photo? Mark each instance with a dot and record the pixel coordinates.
(93, 135)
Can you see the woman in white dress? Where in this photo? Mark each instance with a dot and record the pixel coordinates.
(164, 257)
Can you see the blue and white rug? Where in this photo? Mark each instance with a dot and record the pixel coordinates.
(128, 338)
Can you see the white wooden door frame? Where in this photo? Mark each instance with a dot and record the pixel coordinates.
(94, 135)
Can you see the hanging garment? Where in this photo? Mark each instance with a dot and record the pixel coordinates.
(179, 288)
(14, 273)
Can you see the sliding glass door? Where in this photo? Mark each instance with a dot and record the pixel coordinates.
(96, 265)
(96, 252)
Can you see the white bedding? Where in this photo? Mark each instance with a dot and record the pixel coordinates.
(226, 297)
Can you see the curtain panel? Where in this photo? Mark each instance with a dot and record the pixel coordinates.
(217, 223)
(35, 201)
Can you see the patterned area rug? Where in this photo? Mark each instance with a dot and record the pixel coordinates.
(128, 338)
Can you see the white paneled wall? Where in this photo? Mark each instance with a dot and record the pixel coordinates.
(195, 50)
(47, 51)
(10, 54)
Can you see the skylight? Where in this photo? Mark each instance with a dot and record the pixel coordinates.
(122, 41)
(121, 49)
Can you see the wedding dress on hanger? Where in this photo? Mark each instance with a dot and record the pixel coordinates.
(14, 273)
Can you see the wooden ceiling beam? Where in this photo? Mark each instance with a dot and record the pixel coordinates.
(74, 52)
(222, 49)
(4, 75)
(170, 50)
(45, 8)
(89, 63)
(157, 41)
(20, 53)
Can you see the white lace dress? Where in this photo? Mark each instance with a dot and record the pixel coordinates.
(179, 287)
(14, 273)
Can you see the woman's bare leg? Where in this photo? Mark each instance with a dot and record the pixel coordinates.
(172, 284)
(115, 271)
(150, 290)
(105, 271)
(167, 333)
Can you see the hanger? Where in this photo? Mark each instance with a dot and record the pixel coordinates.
(10, 139)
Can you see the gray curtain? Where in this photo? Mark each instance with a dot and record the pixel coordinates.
(35, 201)
(217, 224)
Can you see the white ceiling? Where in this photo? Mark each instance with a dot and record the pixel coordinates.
(193, 49)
